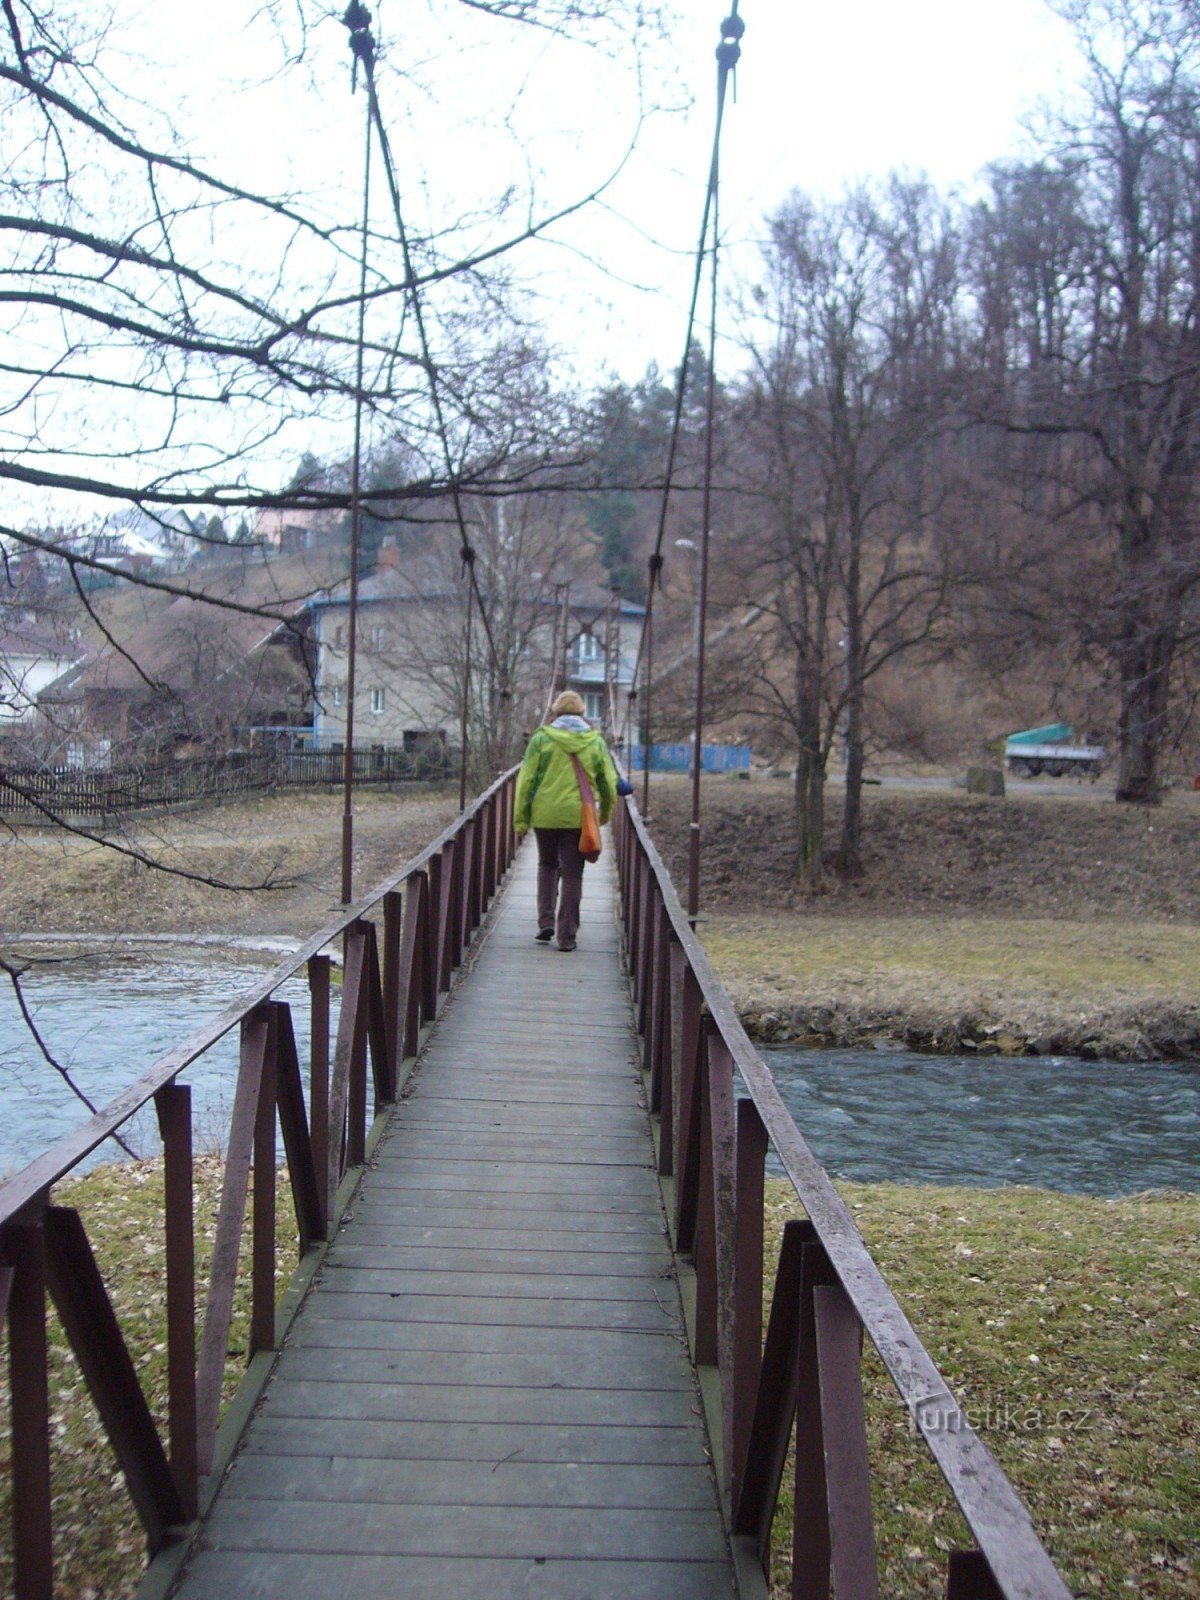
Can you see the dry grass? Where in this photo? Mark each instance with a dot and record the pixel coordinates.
(1069, 1329)
(1103, 988)
(99, 1546)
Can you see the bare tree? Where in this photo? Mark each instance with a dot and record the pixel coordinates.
(848, 411)
(1089, 290)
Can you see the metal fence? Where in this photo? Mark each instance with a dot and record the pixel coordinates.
(401, 945)
(47, 793)
(804, 1382)
(678, 757)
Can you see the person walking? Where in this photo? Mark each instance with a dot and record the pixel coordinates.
(550, 801)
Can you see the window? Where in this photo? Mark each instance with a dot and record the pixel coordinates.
(376, 701)
(339, 637)
(339, 694)
(378, 636)
(587, 648)
(593, 706)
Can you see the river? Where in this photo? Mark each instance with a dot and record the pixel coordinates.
(1083, 1127)
(870, 1115)
(106, 1020)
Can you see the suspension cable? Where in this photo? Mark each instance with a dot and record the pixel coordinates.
(363, 43)
(354, 24)
(728, 53)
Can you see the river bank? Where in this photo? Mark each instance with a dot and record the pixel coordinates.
(1036, 925)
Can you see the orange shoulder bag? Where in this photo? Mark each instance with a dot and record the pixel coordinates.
(589, 826)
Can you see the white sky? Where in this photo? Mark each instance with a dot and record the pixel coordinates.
(825, 95)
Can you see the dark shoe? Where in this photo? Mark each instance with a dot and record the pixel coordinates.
(544, 935)
(566, 944)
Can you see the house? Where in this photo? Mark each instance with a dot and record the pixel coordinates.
(409, 661)
(196, 674)
(603, 633)
(34, 653)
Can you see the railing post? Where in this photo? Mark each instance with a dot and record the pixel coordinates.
(230, 1216)
(33, 1547)
(297, 1137)
(458, 899)
(704, 1245)
(392, 908)
(445, 919)
(318, 984)
(173, 1103)
(352, 1035)
(775, 1400)
(262, 1316)
(748, 1279)
(854, 1567)
(718, 1068)
(689, 1165)
(810, 1524)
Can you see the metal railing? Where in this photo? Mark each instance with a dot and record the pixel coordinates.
(805, 1378)
(396, 967)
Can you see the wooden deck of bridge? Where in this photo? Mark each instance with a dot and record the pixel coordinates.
(488, 1390)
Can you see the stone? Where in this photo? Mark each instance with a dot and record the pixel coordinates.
(985, 780)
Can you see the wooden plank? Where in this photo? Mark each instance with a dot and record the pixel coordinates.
(565, 1532)
(481, 1221)
(406, 1234)
(650, 1347)
(652, 1314)
(484, 1442)
(508, 1481)
(485, 1285)
(558, 1370)
(488, 1390)
(316, 1577)
(376, 1251)
(451, 1402)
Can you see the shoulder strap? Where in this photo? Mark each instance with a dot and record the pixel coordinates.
(585, 787)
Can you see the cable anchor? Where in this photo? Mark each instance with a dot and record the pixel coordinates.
(362, 42)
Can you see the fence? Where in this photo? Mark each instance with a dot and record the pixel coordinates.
(678, 757)
(805, 1379)
(48, 793)
(396, 967)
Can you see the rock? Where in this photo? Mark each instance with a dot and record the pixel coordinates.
(985, 780)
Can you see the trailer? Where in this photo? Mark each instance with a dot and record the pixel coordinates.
(1051, 750)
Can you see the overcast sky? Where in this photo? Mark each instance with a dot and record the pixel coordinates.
(476, 107)
(825, 96)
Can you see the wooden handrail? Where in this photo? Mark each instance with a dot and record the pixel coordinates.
(693, 1041)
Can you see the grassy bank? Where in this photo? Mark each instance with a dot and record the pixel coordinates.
(1053, 923)
(1122, 991)
(1069, 1329)
(1099, 1432)
(100, 1548)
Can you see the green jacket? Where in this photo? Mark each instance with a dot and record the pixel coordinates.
(547, 788)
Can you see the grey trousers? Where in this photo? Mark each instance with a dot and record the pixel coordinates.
(559, 862)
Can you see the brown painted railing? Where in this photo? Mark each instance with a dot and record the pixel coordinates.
(803, 1381)
(396, 967)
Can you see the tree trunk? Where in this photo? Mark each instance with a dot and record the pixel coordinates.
(810, 816)
(849, 855)
(1145, 663)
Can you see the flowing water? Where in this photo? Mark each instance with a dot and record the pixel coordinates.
(106, 1020)
(1084, 1127)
